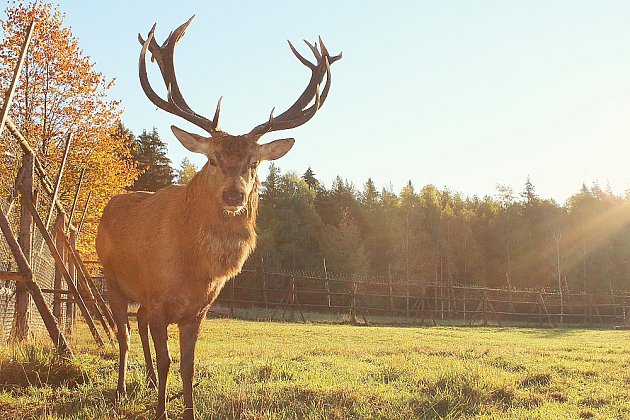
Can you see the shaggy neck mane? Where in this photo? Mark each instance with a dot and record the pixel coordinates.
(201, 210)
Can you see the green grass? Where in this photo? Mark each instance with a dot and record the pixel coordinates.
(255, 370)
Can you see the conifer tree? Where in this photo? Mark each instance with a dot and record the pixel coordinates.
(311, 181)
(150, 154)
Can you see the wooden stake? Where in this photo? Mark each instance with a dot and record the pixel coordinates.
(76, 197)
(50, 321)
(71, 307)
(92, 290)
(57, 281)
(64, 272)
(25, 240)
(8, 97)
(58, 181)
(87, 203)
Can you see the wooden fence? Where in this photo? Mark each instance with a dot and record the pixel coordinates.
(39, 263)
(289, 294)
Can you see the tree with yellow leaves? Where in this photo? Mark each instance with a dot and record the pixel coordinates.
(60, 93)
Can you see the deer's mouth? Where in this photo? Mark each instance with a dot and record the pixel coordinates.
(233, 210)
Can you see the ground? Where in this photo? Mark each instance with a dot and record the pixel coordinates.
(249, 369)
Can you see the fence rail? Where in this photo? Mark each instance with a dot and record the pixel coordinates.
(417, 302)
(287, 294)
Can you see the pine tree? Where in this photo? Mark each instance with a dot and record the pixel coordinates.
(150, 154)
(370, 196)
(529, 193)
(311, 181)
(342, 246)
(269, 190)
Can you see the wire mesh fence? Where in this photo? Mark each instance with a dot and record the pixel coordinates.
(42, 261)
(280, 292)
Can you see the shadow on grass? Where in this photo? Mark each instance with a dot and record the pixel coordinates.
(33, 366)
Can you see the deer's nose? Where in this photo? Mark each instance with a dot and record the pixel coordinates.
(233, 197)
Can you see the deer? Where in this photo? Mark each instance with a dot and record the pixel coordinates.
(173, 251)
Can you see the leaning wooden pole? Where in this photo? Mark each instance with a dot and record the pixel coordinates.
(85, 209)
(87, 279)
(52, 326)
(8, 97)
(59, 260)
(59, 225)
(76, 197)
(55, 193)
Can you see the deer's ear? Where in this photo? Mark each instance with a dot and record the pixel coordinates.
(193, 142)
(275, 149)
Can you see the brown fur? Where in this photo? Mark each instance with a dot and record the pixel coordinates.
(173, 251)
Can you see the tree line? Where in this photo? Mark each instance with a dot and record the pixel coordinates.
(514, 239)
(427, 234)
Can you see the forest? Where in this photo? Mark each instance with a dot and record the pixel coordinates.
(513, 239)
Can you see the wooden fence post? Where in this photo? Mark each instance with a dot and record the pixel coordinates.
(465, 297)
(25, 240)
(260, 273)
(391, 298)
(327, 286)
(231, 298)
(70, 306)
(353, 303)
(59, 227)
(407, 298)
(50, 322)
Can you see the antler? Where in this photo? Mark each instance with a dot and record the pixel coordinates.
(175, 103)
(296, 115)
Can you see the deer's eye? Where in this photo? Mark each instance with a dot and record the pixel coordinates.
(212, 161)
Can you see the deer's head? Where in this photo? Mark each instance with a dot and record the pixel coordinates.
(232, 166)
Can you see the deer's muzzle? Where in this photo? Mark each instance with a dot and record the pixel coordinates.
(233, 198)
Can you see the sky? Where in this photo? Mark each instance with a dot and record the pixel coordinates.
(459, 94)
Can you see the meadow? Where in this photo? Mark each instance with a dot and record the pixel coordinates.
(266, 370)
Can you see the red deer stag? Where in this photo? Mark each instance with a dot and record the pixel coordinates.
(173, 251)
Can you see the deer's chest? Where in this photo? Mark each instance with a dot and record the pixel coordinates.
(223, 258)
(192, 302)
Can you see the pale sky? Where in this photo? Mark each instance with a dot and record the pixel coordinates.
(460, 94)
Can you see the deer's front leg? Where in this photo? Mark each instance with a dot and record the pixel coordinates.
(158, 328)
(188, 334)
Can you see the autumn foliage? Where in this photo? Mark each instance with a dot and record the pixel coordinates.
(60, 92)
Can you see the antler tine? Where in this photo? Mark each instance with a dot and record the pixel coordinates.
(313, 48)
(322, 46)
(176, 103)
(300, 57)
(331, 59)
(215, 119)
(297, 115)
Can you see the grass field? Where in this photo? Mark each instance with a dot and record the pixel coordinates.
(248, 369)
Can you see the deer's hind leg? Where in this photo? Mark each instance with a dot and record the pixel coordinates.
(143, 329)
(119, 305)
